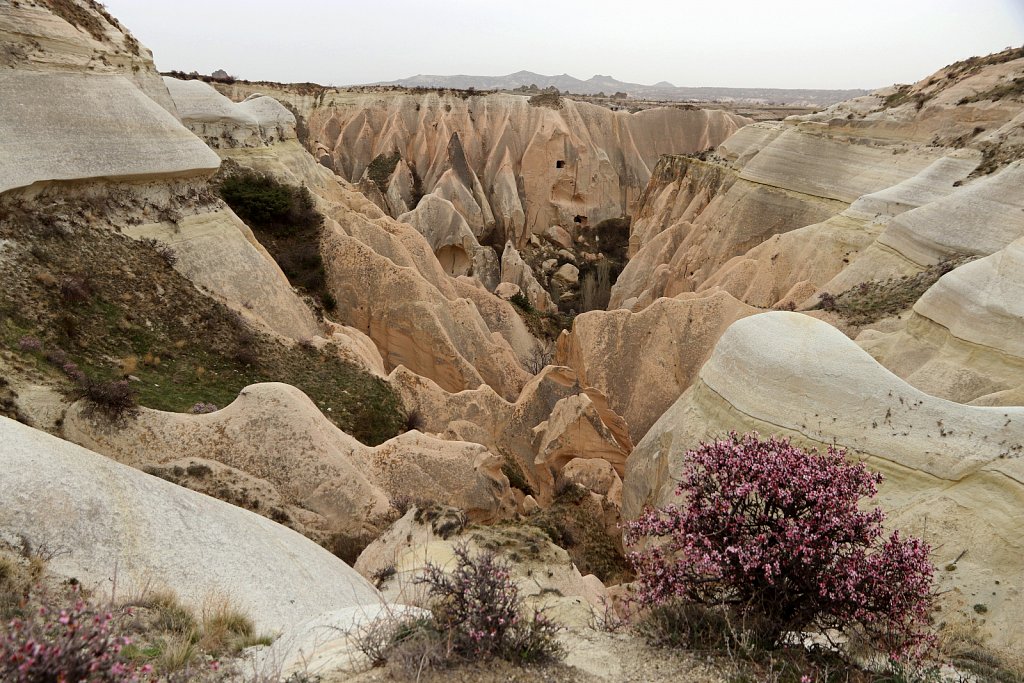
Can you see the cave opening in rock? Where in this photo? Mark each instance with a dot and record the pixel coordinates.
(560, 163)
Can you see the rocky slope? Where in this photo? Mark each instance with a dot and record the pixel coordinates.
(209, 311)
(511, 165)
(861, 185)
(399, 380)
(117, 529)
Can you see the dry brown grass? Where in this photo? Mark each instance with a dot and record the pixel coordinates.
(226, 629)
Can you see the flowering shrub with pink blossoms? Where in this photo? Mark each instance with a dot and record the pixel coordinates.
(73, 644)
(776, 535)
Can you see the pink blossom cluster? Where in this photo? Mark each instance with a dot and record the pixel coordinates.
(73, 644)
(778, 532)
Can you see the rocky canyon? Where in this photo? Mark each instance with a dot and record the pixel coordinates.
(291, 344)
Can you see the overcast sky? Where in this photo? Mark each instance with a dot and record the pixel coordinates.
(733, 43)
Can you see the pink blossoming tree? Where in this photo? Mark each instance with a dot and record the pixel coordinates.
(777, 535)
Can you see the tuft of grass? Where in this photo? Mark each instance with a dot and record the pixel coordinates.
(226, 629)
(175, 652)
(171, 615)
(444, 521)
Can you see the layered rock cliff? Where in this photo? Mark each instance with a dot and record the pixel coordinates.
(861, 191)
(513, 166)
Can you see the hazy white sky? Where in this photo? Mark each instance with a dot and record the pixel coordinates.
(736, 43)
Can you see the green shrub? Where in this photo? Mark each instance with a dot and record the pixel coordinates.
(261, 201)
(520, 301)
(381, 168)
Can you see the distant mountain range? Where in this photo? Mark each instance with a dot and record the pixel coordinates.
(609, 86)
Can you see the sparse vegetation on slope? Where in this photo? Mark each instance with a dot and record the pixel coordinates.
(574, 522)
(551, 100)
(147, 636)
(476, 615)
(1007, 89)
(178, 346)
(872, 301)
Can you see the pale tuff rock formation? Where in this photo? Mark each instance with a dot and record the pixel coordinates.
(503, 319)
(935, 182)
(511, 168)
(596, 476)
(256, 122)
(95, 85)
(878, 187)
(978, 218)
(643, 361)
(965, 339)
(275, 121)
(581, 429)
(386, 277)
(546, 577)
(516, 271)
(211, 116)
(115, 521)
(945, 106)
(805, 160)
(454, 244)
(744, 144)
(323, 646)
(787, 269)
(428, 328)
(354, 346)
(275, 433)
(802, 176)
(118, 122)
(680, 189)
(77, 37)
(553, 421)
(109, 129)
(954, 472)
(218, 251)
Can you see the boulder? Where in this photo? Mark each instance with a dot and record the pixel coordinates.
(567, 274)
